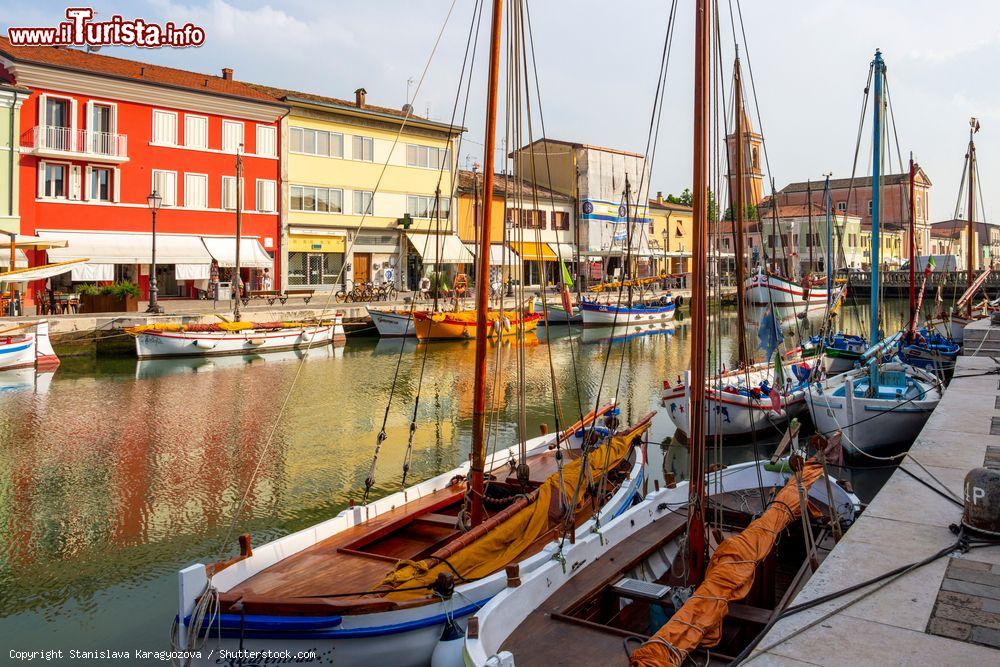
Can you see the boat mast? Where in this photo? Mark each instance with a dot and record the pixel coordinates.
(739, 210)
(809, 230)
(482, 269)
(829, 248)
(971, 238)
(697, 547)
(239, 232)
(876, 187)
(913, 243)
(627, 255)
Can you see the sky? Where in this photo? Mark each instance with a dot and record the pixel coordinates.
(598, 63)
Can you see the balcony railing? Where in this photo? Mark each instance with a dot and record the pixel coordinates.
(51, 140)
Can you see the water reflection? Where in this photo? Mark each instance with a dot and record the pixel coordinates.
(114, 474)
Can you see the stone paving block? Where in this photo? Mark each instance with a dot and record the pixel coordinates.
(987, 576)
(987, 636)
(962, 600)
(966, 615)
(970, 588)
(952, 629)
(965, 564)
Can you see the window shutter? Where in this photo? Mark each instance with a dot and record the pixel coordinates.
(117, 185)
(87, 194)
(74, 182)
(43, 102)
(41, 179)
(89, 137)
(73, 125)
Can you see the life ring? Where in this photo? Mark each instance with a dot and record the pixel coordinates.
(461, 284)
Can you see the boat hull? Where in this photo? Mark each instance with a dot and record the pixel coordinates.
(604, 315)
(391, 323)
(764, 290)
(730, 414)
(446, 326)
(872, 423)
(405, 637)
(159, 344)
(31, 348)
(556, 314)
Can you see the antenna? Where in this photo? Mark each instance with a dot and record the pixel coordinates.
(409, 82)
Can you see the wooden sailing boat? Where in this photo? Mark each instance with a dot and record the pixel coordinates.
(883, 402)
(157, 341)
(753, 396)
(380, 582)
(639, 574)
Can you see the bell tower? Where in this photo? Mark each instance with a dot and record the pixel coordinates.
(753, 174)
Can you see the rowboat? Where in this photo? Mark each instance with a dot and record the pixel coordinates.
(606, 314)
(555, 313)
(621, 581)
(193, 340)
(378, 583)
(462, 324)
(28, 346)
(929, 349)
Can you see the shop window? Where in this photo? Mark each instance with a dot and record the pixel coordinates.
(314, 268)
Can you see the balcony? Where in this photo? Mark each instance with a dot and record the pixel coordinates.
(46, 141)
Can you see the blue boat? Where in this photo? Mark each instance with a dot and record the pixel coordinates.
(929, 350)
(607, 314)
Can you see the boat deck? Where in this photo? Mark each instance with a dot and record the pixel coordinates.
(944, 613)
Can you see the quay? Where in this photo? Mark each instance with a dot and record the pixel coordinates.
(945, 612)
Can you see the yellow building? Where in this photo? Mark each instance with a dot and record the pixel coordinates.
(671, 235)
(358, 191)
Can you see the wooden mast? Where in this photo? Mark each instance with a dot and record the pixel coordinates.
(970, 251)
(913, 243)
(482, 271)
(237, 281)
(739, 217)
(879, 70)
(809, 229)
(697, 547)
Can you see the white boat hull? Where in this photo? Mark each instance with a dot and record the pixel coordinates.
(159, 344)
(554, 313)
(505, 612)
(29, 348)
(391, 324)
(786, 296)
(732, 414)
(606, 316)
(405, 637)
(953, 328)
(871, 423)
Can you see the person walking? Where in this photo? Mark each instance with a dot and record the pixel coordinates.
(213, 281)
(266, 283)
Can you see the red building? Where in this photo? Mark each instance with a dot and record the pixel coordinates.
(99, 134)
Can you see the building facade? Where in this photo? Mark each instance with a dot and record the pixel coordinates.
(99, 135)
(671, 236)
(11, 99)
(951, 238)
(797, 241)
(361, 182)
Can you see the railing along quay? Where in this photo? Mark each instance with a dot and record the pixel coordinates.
(897, 283)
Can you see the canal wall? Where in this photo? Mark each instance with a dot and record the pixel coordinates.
(945, 612)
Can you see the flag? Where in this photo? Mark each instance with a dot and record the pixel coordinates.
(567, 279)
(930, 265)
(769, 333)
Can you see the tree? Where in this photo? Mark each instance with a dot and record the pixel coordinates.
(687, 199)
(751, 213)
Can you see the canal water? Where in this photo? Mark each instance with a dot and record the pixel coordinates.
(115, 473)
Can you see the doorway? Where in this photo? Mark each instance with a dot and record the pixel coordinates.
(362, 267)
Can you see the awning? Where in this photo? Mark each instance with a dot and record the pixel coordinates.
(564, 251)
(128, 248)
(440, 249)
(39, 272)
(533, 252)
(497, 255)
(92, 273)
(252, 253)
(36, 242)
(20, 259)
(193, 271)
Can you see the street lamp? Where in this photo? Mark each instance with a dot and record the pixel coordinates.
(153, 201)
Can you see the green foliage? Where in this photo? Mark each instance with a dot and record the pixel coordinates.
(750, 214)
(86, 289)
(687, 199)
(121, 290)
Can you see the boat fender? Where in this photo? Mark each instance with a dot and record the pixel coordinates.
(448, 650)
(461, 284)
(204, 344)
(506, 323)
(679, 301)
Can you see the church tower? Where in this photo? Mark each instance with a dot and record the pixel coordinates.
(753, 174)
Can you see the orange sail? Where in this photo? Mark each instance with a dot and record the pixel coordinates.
(729, 577)
(461, 324)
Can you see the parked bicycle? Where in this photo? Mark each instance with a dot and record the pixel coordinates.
(366, 292)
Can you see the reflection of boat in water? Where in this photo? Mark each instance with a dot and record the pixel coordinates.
(391, 345)
(620, 334)
(25, 379)
(146, 369)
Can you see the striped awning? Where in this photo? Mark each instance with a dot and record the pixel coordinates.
(532, 251)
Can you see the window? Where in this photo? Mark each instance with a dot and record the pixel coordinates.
(869, 207)
(195, 131)
(165, 128)
(266, 141)
(314, 268)
(427, 156)
(229, 193)
(55, 180)
(195, 190)
(57, 112)
(560, 220)
(320, 200)
(317, 142)
(165, 184)
(266, 196)
(58, 118)
(363, 149)
(232, 136)
(423, 207)
(842, 206)
(100, 184)
(362, 202)
(534, 219)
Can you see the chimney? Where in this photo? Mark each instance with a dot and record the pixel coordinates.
(659, 196)
(359, 97)
(407, 108)
(227, 73)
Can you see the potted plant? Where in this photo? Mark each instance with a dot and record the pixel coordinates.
(120, 297)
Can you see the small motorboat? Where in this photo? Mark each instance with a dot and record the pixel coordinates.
(27, 345)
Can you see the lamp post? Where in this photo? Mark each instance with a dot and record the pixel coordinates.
(153, 201)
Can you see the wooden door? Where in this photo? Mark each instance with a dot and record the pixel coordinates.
(362, 267)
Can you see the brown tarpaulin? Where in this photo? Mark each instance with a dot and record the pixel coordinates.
(729, 577)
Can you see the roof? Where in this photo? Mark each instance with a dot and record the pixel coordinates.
(574, 144)
(729, 227)
(510, 185)
(669, 206)
(859, 182)
(133, 70)
(959, 224)
(792, 210)
(289, 96)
